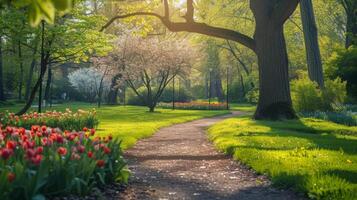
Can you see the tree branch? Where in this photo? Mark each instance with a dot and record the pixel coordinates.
(193, 27)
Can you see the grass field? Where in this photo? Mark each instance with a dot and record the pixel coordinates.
(131, 123)
(312, 156)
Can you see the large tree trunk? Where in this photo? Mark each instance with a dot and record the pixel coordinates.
(2, 93)
(313, 56)
(274, 91)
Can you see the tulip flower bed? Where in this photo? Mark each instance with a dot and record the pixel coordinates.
(67, 120)
(195, 106)
(46, 162)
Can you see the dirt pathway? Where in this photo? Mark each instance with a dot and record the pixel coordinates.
(179, 162)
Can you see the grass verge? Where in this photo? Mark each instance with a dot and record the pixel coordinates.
(316, 157)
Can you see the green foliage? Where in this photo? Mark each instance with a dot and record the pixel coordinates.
(41, 9)
(343, 64)
(312, 156)
(252, 96)
(307, 97)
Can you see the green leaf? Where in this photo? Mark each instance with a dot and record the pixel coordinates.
(62, 5)
(34, 15)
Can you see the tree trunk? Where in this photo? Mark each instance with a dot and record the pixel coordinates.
(2, 93)
(113, 92)
(48, 84)
(274, 91)
(313, 56)
(21, 78)
(33, 92)
(351, 26)
(151, 109)
(31, 72)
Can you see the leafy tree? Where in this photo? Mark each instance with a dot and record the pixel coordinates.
(73, 38)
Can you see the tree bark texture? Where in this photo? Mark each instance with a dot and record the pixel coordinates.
(314, 64)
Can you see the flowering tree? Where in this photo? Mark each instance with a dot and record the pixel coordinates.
(91, 82)
(151, 63)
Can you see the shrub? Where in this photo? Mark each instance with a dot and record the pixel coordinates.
(67, 120)
(252, 96)
(44, 162)
(343, 64)
(307, 97)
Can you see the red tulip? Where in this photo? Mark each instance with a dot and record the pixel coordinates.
(30, 153)
(62, 151)
(39, 150)
(59, 139)
(85, 129)
(90, 154)
(11, 177)
(100, 163)
(11, 144)
(9, 129)
(92, 131)
(106, 150)
(36, 160)
(81, 148)
(44, 128)
(5, 153)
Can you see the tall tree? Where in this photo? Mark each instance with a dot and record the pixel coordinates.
(313, 56)
(268, 43)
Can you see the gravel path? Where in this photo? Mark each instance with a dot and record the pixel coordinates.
(179, 162)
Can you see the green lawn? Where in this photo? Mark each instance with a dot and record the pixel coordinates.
(242, 107)
(315, 157)
(131, 123)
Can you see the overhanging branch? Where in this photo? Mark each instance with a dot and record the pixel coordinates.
(193, 27)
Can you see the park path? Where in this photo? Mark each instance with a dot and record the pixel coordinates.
(178, 162)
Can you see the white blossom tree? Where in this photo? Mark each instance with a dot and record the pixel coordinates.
(91, 82)
(151, 63)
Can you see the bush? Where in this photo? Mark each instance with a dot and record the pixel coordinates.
(343, 64)
(307, 97)
(252, 96)
(67, 120)
(45, 162)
